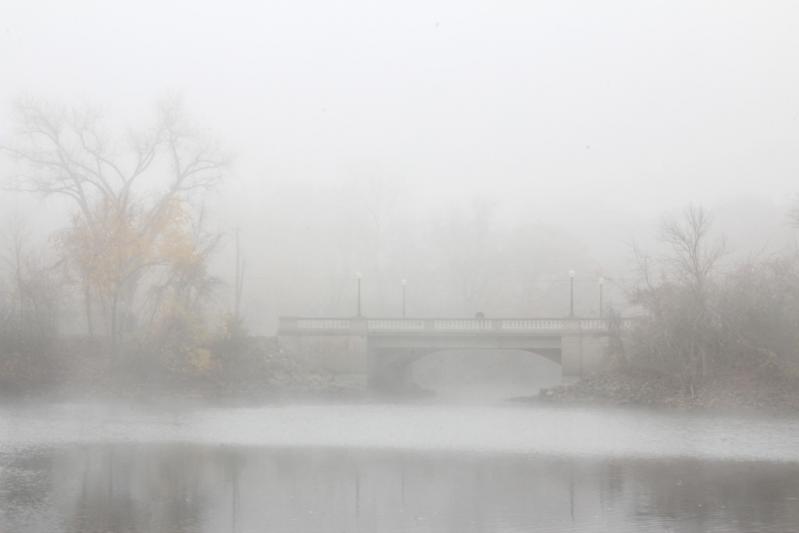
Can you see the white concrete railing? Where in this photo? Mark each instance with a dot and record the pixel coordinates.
(395, 324)
(455, 324)
(322, 323)
(444, 325)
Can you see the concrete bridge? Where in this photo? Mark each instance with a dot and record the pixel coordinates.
(379, 352)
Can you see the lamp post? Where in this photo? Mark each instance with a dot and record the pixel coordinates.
(571, 293)
(358, 278)
(601, 287)
(404, 285)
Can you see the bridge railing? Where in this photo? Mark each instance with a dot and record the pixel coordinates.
(395, 324)
(323, 323)
(309, 326)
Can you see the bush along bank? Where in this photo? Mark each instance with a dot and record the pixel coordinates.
(741, 390)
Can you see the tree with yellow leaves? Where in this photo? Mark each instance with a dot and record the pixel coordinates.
(133, 239)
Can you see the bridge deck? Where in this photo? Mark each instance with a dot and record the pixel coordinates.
(427, 326)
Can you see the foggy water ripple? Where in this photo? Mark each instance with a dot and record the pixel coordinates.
(544, 430)
(394, 468)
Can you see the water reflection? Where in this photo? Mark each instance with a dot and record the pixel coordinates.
(187, 488)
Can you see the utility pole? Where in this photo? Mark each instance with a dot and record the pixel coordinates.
(358, 277)
(571, 293)
(404, 285)
(238, 282)
(601, 287)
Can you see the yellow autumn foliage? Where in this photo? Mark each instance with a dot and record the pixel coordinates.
(200, 360)
(119, 243)
(116, 247)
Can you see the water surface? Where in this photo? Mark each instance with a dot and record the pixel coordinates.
(417, 468)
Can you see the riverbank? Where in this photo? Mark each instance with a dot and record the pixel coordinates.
(759, 391)
(250, 371)
(271, 390)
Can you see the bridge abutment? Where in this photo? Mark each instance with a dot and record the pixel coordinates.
(343, 359)
(390, 370)
(582, 354)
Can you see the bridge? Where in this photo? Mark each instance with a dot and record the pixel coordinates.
(381, 351)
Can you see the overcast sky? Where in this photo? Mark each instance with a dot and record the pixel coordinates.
(558, 108)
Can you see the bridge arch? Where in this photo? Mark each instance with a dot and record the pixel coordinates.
(486, 372)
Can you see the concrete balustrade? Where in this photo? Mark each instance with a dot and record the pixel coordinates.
(301, 325)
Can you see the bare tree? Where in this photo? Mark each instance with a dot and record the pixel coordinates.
(693, 257)
(130, 192)
(676, 291)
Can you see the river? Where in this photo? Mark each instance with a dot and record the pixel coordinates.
(394, 468)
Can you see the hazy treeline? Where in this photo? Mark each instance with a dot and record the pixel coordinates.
(144, 267)
(139, 267)
(456, 260)
(705, 314)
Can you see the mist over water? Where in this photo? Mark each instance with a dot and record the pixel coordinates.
(395, 468)
(484, 376)
(422, 426)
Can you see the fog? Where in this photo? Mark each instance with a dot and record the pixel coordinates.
(424, 266)
(590, 120)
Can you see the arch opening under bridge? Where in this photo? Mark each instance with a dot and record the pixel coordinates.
(466, 374)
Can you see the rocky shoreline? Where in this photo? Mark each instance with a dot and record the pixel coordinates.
(744, 391)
